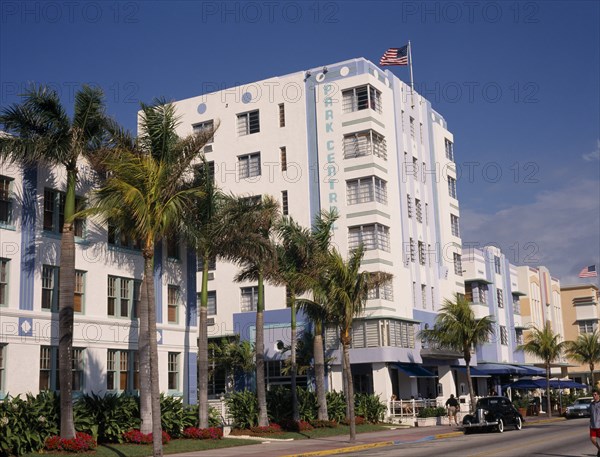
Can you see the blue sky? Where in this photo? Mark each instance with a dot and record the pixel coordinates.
(517, 81)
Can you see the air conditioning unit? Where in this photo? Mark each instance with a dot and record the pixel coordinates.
(208, 148)
(211, 275)
(210, 321)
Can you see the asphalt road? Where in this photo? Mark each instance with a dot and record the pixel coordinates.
(559, 439)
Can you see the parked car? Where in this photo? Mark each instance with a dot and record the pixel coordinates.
(493, 413)
(581, 408)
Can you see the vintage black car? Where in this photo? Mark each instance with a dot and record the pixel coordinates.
(493, 413)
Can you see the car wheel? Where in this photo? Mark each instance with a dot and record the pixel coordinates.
(467, 429)
(518, 423)
(500, 426)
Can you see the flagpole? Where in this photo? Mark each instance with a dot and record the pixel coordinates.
(412, 84)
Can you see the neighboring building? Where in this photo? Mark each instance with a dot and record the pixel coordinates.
(541, 305)
(492, 286)
(352, 137)
(581, 312)
(346, 136)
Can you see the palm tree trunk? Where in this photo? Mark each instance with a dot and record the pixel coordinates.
(153, 346)
(350, 391)
(592, 374)
(295, 413)
(319, 357)
(263, 418)
(65, 311)
(471, 393)
(203, 348)
(548, 404)
(144, 354)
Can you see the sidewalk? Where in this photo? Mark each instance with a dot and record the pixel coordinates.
(340, 444)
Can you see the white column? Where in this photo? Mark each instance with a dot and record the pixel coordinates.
(446, 379)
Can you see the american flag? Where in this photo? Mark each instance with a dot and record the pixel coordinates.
(589, 272)
(395, 56)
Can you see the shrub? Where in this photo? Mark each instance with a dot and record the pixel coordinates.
(336, 406)
(432, 412)
(107, 417)
(370, 407)
(290, 425)
(323, 424)
(137, 437)
(243, 408)
(175, 416)
(308, 405)
(81, 443)
(358, 420)
(211, 433)
(279, 404)
(267, 430)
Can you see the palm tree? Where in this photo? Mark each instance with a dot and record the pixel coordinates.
(344, 293)
(585, 350)
(40, 131)
(147, 192)
(255, 254)
(545, 345)
(233, 355)
(457, 329)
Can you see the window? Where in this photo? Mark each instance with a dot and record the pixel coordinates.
(483, 291)
(368, 189)
(122, 370)
(497, 264)
(412, 250)
(372, 236)
(79, 291)
(2, 366)
(383, 291)
(283, 158)
(421, 132)
(281, 115)
(248, 123)
(172, 303)
(173, 370)
(50, 280)
(5, 200)
(54, 212)
(249, 165)
(173, 247)
(409, 205)
(516, 304)
(284, 203)
(414, 294)
(500, 297)
(49, 379)
(3, 284)
(422, 257)
(249, 298)
(365, 143)
(426, 214)
(424, 296)
(449, 149)
(118, 237)
(418, 210)
(202, 127)
(402, 119)
(211, 303)
(457, 264)
(123, 296)
(415, 168)
(452, 187)
(212, 264)
(411, 121)
(519, 336)
(359, 98)
(587, 326)
(503, 336)
(454, 225)
(432, 297)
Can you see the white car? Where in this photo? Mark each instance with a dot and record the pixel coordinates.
(581, 408)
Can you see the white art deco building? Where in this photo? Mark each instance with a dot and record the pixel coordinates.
(346, 136)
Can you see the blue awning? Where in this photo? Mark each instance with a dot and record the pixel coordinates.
(498, 368)
(532, 371)
(413, 370)
(475, 372)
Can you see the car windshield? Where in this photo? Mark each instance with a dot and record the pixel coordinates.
(488, 402)
(583, 401)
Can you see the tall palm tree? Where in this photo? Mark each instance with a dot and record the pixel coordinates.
(233, 355)
(147, 192)
(344, 293)
(585, 350)
(456, 328)
(255, 254)
(40, 131)
(545, 345)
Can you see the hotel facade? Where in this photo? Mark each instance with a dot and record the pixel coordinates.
(346, 136)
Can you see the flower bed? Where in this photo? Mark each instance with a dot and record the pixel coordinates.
(272, 429)
(290, 425)
(81, 443)
(323, 424)
(211, 433)
(358, 420)
(137, 437)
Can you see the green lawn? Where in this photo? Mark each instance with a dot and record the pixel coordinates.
(137, 450)
(325, 432)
